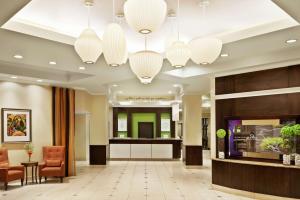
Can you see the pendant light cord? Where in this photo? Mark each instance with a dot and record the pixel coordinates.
(113, 11)
(89, 20)
(178, 22)
(146, 42)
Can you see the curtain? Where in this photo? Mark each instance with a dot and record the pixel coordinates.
(64, 124)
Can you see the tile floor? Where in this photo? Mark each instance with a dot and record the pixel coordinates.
(126, 180)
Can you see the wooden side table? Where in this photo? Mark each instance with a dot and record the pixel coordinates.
(34, 167)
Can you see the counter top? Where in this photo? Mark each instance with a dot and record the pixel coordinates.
(144, 140)
(256, 163)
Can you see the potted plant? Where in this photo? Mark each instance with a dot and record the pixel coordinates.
(287, 134)
(221, 133)
(296, 129)
(29, 150)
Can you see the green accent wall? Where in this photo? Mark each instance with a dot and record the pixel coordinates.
(122, 134)
(142, 117)
(165, 134)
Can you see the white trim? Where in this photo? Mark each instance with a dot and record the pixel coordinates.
(259, 93)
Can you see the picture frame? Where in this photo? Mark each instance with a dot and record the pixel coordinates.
(16, 125)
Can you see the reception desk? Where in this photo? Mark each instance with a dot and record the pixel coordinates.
(127, 148)
(257, 177)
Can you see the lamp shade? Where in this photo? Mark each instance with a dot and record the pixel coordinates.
(205, 50)
(178, 54)
(88, 46)
(114, 45)
(146, 65)
(145, 16)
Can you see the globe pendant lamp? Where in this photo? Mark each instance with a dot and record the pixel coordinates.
(114, 44)
(178, 53)
(88, 46)
(145, 16)
(205, 50)
(146, 65)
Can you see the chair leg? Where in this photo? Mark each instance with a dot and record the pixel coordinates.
(45, 178)
(5, 186)
(22, 182)
(61, 179)
(40, 179)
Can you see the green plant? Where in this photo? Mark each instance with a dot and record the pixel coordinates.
(28, 147)
(221, 133)
(272, 144)
(296, 129)
(287, 131)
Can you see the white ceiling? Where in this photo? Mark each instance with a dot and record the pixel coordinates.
(254, 33)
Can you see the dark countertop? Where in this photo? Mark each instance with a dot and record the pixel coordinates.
(144, 140)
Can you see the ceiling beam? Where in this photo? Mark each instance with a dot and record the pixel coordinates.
(291, 7)
(9, 8)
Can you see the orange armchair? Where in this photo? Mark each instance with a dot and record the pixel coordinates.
(53, 164)
(9, 173)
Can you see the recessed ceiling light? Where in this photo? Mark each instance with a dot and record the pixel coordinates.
(170, 92)
(120, 92)
(176, 85)
(52, 63)
(14, 77)
(291, 41)
(39, 80)
(17, 56)
(115, 85)
(224, 55)
(81, 68)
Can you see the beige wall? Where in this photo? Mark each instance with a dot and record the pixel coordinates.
(39, 100)
(80, 139)
(97, 106)
(192, 119)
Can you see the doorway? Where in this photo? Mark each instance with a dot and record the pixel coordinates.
(146, 130)
(82, 138)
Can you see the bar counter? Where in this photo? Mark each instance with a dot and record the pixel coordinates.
(257, 177)
(133, 148)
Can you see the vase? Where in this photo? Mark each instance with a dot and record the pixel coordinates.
(286, 159)
(221, 155)
(297, 160)
(29, 156)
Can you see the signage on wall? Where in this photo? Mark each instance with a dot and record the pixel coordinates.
(165, 125)
(122, 124)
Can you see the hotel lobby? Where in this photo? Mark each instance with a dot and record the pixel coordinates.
(150, 99)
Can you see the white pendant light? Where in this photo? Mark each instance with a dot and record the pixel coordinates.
(178, 53)
(88, 46)
(146, 65)
(145, 16)
(114, 44)
(205, 50)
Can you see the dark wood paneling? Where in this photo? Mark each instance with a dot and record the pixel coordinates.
(177, 150)
(294, 103)
(261, 106)
(131, 110)
(279, 181)
(294, 74)
(260, 80)
(193, 155)
(98, 154)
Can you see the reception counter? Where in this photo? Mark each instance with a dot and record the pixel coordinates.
(127, 148)
(257, 177)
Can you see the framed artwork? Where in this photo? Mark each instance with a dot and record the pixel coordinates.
(122, 124)
(16, 125)
(165, 125)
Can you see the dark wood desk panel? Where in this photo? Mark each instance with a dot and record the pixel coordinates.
(264, 178)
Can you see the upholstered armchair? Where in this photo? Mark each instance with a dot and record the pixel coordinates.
(53, 164)
(9, 173)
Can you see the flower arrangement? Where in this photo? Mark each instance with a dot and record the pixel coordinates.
(272, 144)
(29, 149)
